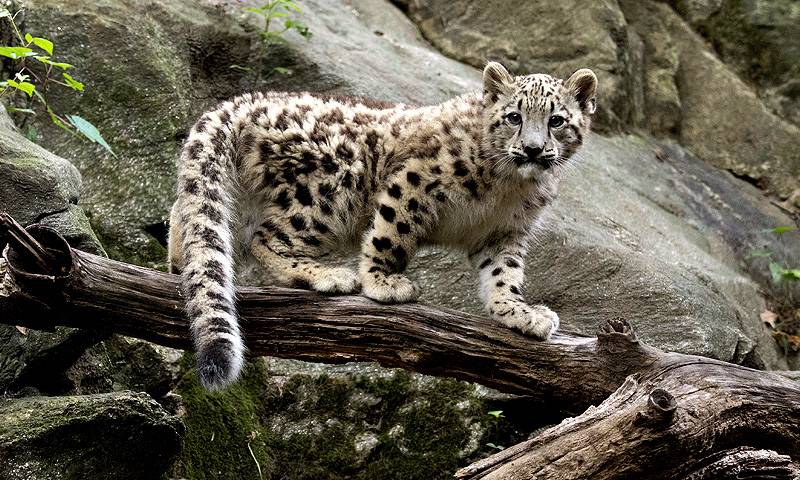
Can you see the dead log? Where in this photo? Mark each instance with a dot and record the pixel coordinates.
(657, 414)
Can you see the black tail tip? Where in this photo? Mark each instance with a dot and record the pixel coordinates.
(218, 367)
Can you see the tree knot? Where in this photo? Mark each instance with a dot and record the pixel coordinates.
(661, 406)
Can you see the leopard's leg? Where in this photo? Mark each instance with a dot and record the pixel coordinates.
(501, 269)
(291, 246)
(403, 217)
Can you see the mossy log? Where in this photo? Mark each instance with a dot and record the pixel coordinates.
(657, 414)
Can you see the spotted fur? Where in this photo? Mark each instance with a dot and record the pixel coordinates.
(297, 177)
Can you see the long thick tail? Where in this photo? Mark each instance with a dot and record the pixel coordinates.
(205, 196)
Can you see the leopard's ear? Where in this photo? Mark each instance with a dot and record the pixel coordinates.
(583, 86)
(496, 80)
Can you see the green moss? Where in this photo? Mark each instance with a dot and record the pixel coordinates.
(220, 426)
(307, 426)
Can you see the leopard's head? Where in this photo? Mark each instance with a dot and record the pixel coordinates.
(535, 123)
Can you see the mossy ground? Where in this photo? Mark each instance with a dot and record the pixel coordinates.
(393, 425)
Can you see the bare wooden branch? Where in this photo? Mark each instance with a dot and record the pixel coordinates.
(657, 415)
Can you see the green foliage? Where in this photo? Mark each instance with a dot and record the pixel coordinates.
(34, 78)
(777, 271)
(782, 229)
(278, 12)
(273, 12)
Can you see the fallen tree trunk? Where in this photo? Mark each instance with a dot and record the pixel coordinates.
(658, 415)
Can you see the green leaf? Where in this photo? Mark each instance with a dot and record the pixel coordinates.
(257, 11)
(282, 70)
(42, 43)
(792, 274)
(497, 447)
(26, 87)
(16, 52)
(20, 110)
(495, 413)
(758, 253)
(291, 6)
(780, 230)
(4, 13)
(776, 270)
(72, 83)
(47, 60)
(89, 131)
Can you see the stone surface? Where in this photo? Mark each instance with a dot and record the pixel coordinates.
(559, 38)
(121, 363)
(38, 359)
(304, 421)
(120, 436)
(713, 101)
(655, 71)
(37, 186)
(760, 39)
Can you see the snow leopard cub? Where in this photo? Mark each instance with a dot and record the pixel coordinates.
(297, 176)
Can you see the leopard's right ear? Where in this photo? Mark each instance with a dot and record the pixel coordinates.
(496, 81)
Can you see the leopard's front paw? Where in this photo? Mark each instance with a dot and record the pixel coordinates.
(537, 321)
(394, 288)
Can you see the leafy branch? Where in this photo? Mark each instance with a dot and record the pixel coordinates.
(274, 10)
(36, 73)
(272, 13)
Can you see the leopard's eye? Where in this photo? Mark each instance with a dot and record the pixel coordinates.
(556, 121)
(514, 118)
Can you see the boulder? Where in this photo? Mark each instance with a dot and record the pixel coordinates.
(760, 39)
(654, 70)
(37, 186)
(121, 363)
(291, 419)
(553, 37)
(684, 75)
(120, 435)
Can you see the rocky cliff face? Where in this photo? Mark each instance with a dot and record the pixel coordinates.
(650, 226)
(656, 70)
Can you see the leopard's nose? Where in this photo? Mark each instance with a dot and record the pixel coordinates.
(532, 153)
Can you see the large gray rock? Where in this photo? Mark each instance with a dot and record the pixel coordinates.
(554, 37)
(654, 70)
(760, 39)
(290, 419)
(37, 186)
(722, 119)
(116, 436)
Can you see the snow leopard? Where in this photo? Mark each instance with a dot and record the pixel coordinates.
(296, 177)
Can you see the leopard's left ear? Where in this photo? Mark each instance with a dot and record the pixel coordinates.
(583, 85)
(496, 81)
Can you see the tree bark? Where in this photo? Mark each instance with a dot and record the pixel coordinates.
(657, 414)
